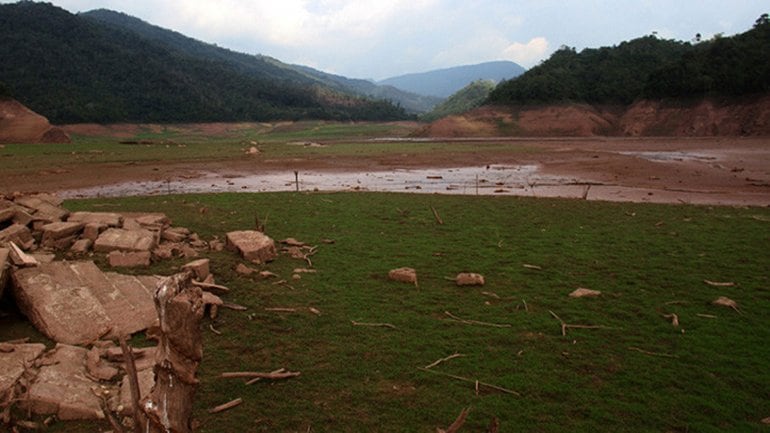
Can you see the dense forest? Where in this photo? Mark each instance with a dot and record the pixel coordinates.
(467, 98)
(647, 68)
(73, 69)
(5, 92)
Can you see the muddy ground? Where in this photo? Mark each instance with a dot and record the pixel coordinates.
(720, 170)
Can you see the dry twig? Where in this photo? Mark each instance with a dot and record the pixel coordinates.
(665, 355)
(210, 286)
(435, 363)
(459, 421)
(674, 319)
(719, 283)
(476, 322)
(274, 375)
(565, 326)
(133, 382)
(437, 216)
(473, 381)
(381, 325)
(228, 405)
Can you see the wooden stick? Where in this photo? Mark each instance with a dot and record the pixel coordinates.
(707, 316)
(383, 325)
(257, 379)
(459, 421)
(228, 405)
(282, 310)
(535, 267)
(565, 326)
(211, 327)
(133, 382)
(435, 363)
(276, 375)
(674, 319)
(473, 381)
(437, 216)
(205, 286)
(665, 355)
(719, 284)
(490, 294)
(476, 322)
(235, 307)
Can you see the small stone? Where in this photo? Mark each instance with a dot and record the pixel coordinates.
(200, 267)
(469, 279)
(404, 275)
(81, 246)
(584, 293)
(252, 245)
(242, 269)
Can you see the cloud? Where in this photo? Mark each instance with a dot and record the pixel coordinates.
(527, 54)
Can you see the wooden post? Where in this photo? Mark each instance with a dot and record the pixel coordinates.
(296, 179)
(180, 307)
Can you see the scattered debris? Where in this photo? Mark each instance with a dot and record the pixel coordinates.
(582, 292)
(404, 275)
(477, 383)
(565, 326)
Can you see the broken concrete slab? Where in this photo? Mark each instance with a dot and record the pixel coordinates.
(252, 245)
(81, 246)
(43, 209)
(19, 257)
(175, 234)
(108, 219)
(146, 379)
(15, 360)
(19, 234)
(76, 303)
(131, 259)
(7, 214)
(92, 230)
(200, 268)
(58, 230)
(22, 217)
(62, 386)
(5, 257)
(114, 239)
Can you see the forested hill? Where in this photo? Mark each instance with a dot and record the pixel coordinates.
(77, 68)
(647, 68)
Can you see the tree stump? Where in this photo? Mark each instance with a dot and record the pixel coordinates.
(180, 307)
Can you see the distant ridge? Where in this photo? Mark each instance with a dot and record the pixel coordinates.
(445, 82)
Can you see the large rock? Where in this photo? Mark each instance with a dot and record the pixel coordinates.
(46, 207)
(62, 386)
(469, 279)
(252, 245)
(19, 234)
(19, 124)
(59, 230)
(108, 219)
(14, 358)
(124, 240)
(76, 303)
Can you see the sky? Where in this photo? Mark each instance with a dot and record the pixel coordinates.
(377, 39)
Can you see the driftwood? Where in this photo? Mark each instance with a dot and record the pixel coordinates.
(274, 375)
(133, 382)
(169, 405)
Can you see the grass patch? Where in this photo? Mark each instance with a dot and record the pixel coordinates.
(648, 260)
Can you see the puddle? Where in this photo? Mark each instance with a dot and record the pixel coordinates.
(494, 179)
(672, 156)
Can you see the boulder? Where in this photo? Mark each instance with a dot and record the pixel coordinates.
(130, 259)
(76, 303)
(469, 279)
(92, 230)
(7, 214)
(252, 245)
(46, 208)
(108, 219)
(62, 386)
(81, 246)
(175, 234)
(19, 124)
(404, 275)
(114, 239)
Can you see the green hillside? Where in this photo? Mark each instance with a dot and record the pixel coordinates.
(76, 68)
(647, 67)
(468, 98)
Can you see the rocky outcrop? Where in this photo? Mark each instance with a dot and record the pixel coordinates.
(19, 124)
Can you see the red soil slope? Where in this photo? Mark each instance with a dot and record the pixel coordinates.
(19, 124)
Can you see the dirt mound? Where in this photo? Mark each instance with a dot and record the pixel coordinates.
(703, 118)
(19, 124)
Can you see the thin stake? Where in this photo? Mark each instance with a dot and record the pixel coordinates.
(473, 381)
(133, 382)
(381, 325)
(437, 216)
(296, 179)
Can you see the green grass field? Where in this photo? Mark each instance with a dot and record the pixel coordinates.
(637, 373)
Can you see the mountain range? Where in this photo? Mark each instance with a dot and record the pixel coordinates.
(106, 66)
(443, 83)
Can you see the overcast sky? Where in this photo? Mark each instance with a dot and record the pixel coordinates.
(382, 38)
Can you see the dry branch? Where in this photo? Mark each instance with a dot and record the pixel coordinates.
(473, 381)
(476, 322)
(275, 375)
(257, 379)
(535, 267)
(720, 283)
(209, 286)
(707, 316)
(437, 216)
(459, 421)
(665, 355)
(437, 362)
(236, 307)
(382, 325)
(282, 310)
(565, 326)
(674, 319)
(228, 405)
